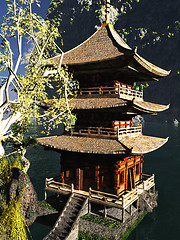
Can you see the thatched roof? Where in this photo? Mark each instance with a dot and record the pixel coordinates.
(141, 144)
(148, 107)
(134, 144)
(107, 102)
(83, 144)
(106, 46)
(97, 103)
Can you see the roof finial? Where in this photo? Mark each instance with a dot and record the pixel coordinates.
(107, 14)
(107, 11)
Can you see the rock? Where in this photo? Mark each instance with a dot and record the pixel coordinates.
(21, 185)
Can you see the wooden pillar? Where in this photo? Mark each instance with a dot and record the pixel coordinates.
(105, 208)
(89, 203)
(45, 194)
(62, 177)
(123, 215)
(105, 211)
(97, 177)
(78, 178)
(89, 206)
(137, 204)
(131, 209)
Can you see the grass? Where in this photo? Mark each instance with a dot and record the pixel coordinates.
(45, 204)
(102, 221)
(108, 223)
(88, 236)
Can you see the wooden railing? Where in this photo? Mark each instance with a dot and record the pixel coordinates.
(126, 199)
(123, 92)
(129, 131)
(98, 90)
(129, 93)
(96, 131)
(122, 201)
(108, 131)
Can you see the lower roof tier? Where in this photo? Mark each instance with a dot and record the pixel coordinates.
(138, 144)
(107, 103)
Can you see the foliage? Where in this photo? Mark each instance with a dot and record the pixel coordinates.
(21, 26)
(12, 223)
(6, 165)
(102, 221)
(45, 204)
(32, 88)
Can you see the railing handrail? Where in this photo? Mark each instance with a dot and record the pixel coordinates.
(57, 183)
(104, 194)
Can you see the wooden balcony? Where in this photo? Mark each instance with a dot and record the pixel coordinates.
(123, 92)
(120, 201)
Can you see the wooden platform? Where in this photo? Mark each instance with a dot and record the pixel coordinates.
(107, 199)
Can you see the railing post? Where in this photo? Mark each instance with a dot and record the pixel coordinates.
(105, 209)
(89, 203)
(45, 192)
(90, 189)
(123, 201)
(72, 187)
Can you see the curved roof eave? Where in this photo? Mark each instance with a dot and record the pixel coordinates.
(150, 67)
(149, 107)
(107, 45)
(142, 144)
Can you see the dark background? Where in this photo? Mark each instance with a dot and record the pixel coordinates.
(158, 18)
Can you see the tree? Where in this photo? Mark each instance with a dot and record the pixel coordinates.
(31, 88)
(22, 26)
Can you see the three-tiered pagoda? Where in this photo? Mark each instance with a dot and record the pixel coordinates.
(103, 158)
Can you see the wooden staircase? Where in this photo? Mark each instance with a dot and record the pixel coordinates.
(68, 219)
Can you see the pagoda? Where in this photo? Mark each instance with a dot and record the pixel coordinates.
(102, 158)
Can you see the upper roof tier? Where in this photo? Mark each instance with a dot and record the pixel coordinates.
(109, 51)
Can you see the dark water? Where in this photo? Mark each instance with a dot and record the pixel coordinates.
(163, 223)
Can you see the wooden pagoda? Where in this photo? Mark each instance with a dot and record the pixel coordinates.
(103, 158)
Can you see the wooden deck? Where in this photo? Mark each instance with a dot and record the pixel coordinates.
(122, 201)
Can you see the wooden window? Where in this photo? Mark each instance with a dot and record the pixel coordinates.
(121, 180)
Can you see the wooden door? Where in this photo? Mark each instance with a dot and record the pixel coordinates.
(131, 179)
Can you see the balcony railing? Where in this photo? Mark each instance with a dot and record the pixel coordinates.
(124, 92)
(122, 201)
(129, 131)
(96, 131)
(119, 132)
(129, 93)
